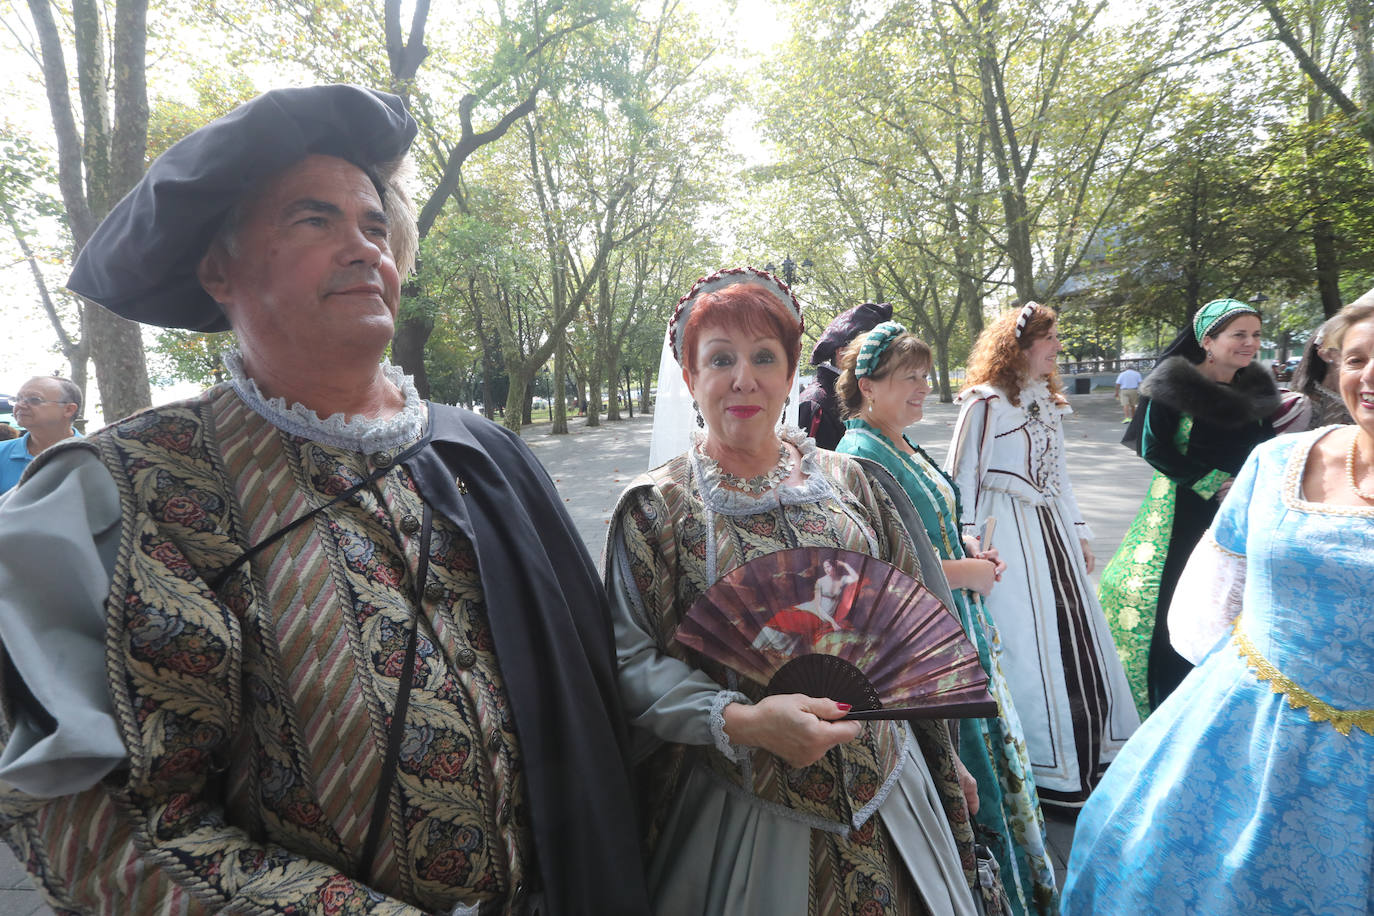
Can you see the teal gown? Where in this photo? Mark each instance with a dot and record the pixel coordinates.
(993, 749)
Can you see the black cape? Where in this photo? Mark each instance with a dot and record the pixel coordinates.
(818, 409)
(551, 625)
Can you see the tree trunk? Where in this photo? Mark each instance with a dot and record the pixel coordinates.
(1361, 14)
(1014, 211)
(942, 359)
(646, 378)
(1325, 260)
(594, 378)
(115, 344)
(560, 390)
(515, 403)
(612, 386)
(1327, 266)
(408, 349)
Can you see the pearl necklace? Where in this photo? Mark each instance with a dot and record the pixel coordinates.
(754, 486)
(1350, 469)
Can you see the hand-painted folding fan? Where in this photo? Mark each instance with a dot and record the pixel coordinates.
(833, 623)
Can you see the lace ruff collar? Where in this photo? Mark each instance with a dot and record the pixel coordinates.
(728, 501)
(1036, 397)
(358, 433)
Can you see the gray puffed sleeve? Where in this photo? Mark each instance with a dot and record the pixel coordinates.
(663, 695)
(59, 533)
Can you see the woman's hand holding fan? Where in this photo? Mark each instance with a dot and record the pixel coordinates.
(825, 622)
(799, 729)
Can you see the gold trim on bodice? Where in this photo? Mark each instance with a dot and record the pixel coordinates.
(1318, 710)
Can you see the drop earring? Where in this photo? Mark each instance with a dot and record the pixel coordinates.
(701, 421)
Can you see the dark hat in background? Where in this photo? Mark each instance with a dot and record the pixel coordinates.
(141, 262)
(849, 324)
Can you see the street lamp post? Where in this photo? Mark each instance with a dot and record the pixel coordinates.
(790, 274)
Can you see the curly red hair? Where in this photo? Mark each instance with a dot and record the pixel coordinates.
(999, 356)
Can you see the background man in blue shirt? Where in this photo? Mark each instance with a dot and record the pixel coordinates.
(45, 407)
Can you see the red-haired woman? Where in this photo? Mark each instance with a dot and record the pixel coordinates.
(759, 804)
(1008, 460)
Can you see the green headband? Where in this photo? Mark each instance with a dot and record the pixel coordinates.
(875, 342)
(1217, 311)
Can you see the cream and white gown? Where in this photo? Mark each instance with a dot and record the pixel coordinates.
(1066, 679)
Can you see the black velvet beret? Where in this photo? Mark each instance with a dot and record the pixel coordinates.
(848, 325)
(141, 262)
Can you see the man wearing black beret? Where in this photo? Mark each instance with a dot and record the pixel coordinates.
(305, 643)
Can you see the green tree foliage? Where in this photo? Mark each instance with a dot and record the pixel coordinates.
(579, 163)
(186, 356)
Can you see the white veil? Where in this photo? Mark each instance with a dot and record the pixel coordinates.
(674, 419)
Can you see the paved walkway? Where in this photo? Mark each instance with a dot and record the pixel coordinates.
(591, 466)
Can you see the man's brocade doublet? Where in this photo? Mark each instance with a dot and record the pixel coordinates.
(265, 707)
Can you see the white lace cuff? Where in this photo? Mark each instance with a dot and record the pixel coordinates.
(1083, 530)
(1207, 599)
(735, 753)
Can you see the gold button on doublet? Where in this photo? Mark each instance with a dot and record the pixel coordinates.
(409, 524)
(434, 591)
(382, 459)
(466, 657)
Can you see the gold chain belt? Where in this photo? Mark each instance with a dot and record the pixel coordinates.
(1317, 710)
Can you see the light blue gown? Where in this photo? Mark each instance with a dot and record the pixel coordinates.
(1230, 799)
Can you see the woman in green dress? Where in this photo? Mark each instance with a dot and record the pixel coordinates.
(1203, 408)
(883, 386)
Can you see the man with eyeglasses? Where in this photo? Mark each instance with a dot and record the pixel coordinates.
(45, 407)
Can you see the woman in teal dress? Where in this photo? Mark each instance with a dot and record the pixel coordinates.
(883, 386)
(1250, 790)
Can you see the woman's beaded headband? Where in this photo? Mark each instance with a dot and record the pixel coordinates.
(1027, 311)
(730, 276)
(875, 342)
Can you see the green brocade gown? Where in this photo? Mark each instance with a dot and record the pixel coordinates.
(993, 749)
(1192, 458)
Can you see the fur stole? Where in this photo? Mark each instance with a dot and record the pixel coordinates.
(1179, 384)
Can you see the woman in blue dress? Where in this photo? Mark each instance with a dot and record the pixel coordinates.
(882, 386)
(1251, 789)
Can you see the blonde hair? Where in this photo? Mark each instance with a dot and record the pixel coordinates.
(1357, 312)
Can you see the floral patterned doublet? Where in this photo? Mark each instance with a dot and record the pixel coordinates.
(256, 717)
(1250, 790)
(732, 829)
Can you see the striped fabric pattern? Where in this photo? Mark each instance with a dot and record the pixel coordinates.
(285, 682)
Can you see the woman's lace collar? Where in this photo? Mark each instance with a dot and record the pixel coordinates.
(728, 501)
(1036, 397)
(362, 434)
